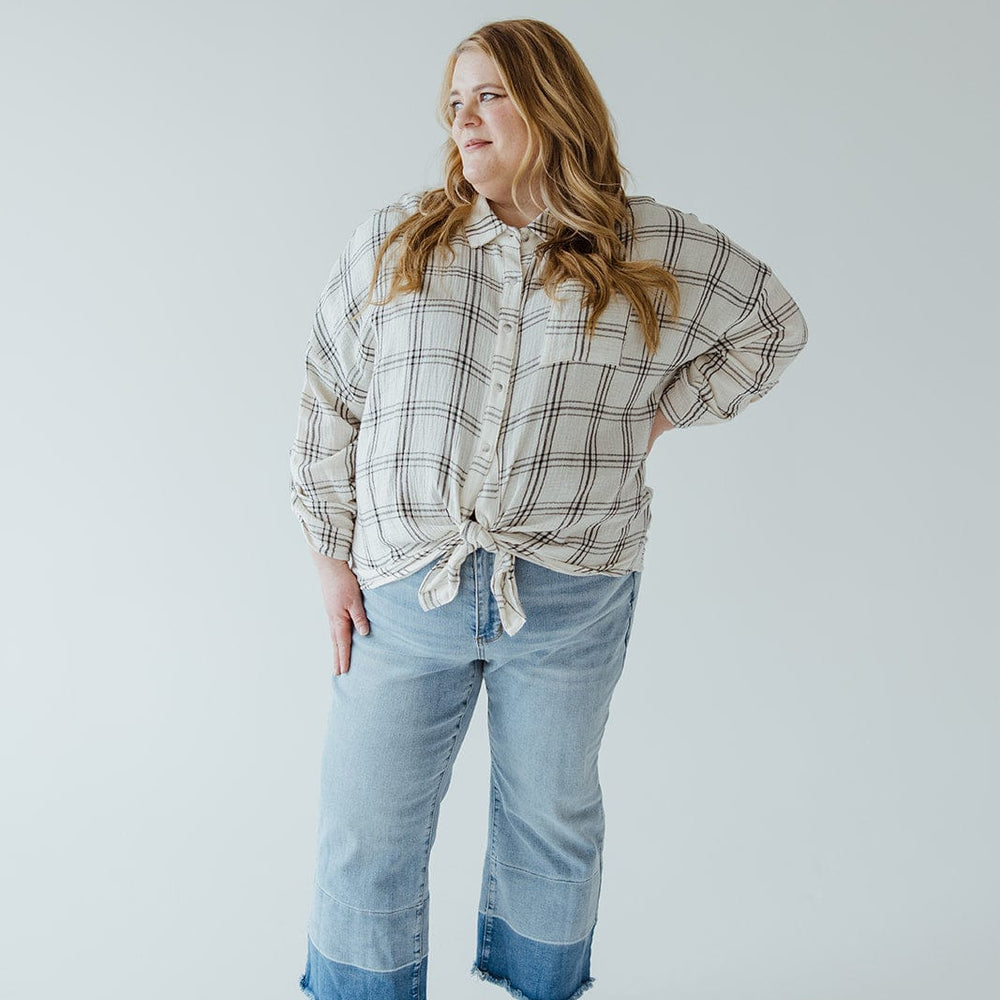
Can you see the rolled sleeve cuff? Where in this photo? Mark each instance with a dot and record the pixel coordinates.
(334, 543)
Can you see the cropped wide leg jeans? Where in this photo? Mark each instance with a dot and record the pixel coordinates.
(396, 722)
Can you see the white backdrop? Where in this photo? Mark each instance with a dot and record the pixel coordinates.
(800, 770)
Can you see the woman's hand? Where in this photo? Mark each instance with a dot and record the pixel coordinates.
(660, 424)
(344, 606)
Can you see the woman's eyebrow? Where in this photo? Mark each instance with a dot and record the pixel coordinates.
(478, 87)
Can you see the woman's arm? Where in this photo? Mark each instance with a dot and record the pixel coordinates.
(743, 364)
(337, 373)
(322, 456)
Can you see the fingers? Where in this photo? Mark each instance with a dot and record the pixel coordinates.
(340, 632)
(351, 617)
(358, 615)
(660, 425)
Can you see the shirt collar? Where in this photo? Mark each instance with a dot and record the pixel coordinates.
(484, 225)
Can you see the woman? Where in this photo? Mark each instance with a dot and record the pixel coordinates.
(489, 366)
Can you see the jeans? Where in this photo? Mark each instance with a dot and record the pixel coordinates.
(396, 722)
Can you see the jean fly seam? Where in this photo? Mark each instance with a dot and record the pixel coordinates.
(475, 590)
(483, 619)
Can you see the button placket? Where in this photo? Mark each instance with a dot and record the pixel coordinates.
(499, 375)
(509, 307)
(486, 498)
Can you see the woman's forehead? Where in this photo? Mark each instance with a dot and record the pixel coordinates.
(472, 62)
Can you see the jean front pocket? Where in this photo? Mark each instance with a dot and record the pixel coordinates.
(565, 338)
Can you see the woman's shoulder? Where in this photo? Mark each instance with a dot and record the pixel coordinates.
(651, 216)
(655, 223)
(378, 222)
(383, 218)
(646, 210)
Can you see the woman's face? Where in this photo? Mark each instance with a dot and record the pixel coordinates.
(491, 136)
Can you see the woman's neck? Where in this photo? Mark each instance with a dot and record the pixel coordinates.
(507, 212)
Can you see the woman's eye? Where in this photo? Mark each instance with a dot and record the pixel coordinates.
(485, 95)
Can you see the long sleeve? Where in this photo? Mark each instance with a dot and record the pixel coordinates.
(338, 367)
(743, 364)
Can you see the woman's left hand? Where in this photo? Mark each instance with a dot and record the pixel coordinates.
(660, 424)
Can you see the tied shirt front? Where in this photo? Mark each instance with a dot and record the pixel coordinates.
(477, 412)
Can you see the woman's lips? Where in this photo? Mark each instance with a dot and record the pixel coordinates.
(476, 145)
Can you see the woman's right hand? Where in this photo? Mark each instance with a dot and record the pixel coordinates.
(344, 604)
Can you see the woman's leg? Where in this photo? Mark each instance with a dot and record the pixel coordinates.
(549, 690)
(396, 722)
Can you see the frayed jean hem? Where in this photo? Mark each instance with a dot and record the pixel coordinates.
(478, 973)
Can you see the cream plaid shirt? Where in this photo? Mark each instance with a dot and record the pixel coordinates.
(477, 414)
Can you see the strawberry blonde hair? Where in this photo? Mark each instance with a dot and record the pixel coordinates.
(571, 165)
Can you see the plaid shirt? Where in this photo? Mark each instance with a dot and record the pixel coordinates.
(476, 413)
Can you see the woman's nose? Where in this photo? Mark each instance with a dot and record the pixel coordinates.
(465, 117)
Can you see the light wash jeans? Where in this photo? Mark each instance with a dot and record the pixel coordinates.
(397, 719)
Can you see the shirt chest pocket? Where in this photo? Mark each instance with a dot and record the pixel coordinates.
(564, 339)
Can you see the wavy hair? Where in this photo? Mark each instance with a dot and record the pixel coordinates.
(570, 165)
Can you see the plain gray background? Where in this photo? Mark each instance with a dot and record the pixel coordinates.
(800, 770)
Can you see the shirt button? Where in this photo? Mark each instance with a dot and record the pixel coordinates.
(507, 327)
(498, 386)
(525, 237)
